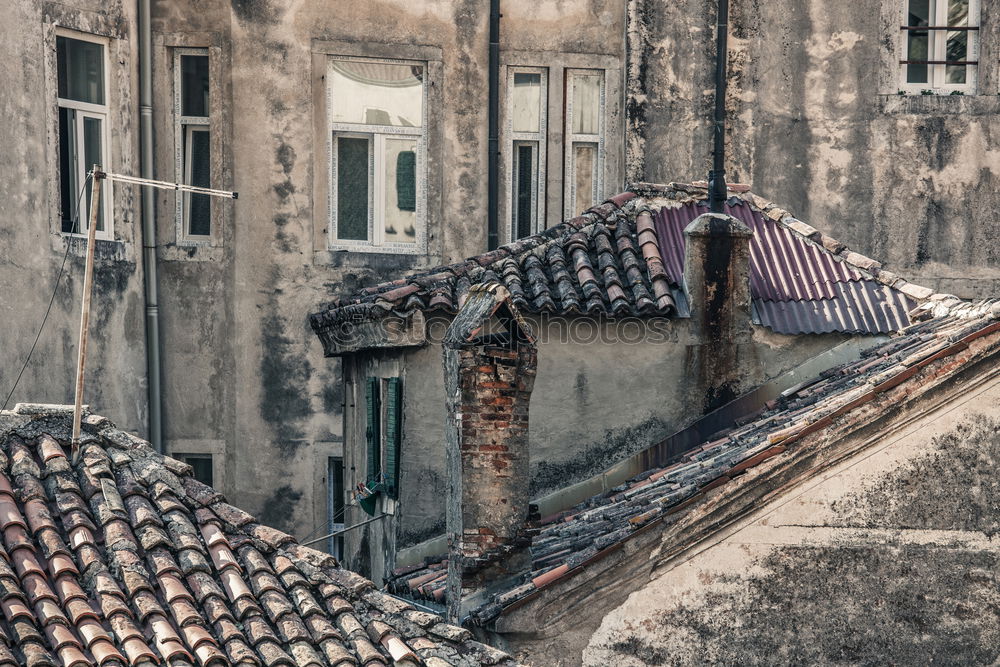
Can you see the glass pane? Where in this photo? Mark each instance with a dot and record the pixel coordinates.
(524, 181)
(400, 190)
(81, 70)
(957, 50)
(197, 170)
(584, 175)
(202, 465)
(194, 85)
(586, 103)
(352, 188)
(958, 12)
(68, 186)
(91, 156)
(527, 102)
(920, 12)
(918, 42)
(376, 93)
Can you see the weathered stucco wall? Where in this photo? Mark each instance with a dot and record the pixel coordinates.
(816, 123)
(30, 238)
(599, 396)
(888, 556)
(244, 377)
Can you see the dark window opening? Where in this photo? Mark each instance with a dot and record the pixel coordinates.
(352, 188)
(201, 465)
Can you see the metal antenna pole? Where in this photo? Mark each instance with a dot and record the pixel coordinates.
(717, 177)
(88, 279)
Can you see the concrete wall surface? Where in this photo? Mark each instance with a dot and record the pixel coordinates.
(816, 122)
(31, 243)
(890, 556)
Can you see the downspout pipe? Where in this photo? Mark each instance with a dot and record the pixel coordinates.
(717, 177)
(493, 169)
(149, 228)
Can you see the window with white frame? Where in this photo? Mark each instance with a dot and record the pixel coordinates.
(526, 126)
(940, 45)
(192, 133)
(377, 147)
(82, 72)
(584, 147)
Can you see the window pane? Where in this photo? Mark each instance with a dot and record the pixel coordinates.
(958, 12)
(352, 188)
(91, 156)
(586, 103)
(202, 465)
(67, 169)
(527, 101)
(524, 181)
(957, 50)
(197, 171)
(81, 70)
(400, 190)
(376, 93)
(918, 42)
(919, 12)
(194, 85)
(584, 175)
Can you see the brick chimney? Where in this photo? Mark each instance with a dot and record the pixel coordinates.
(489, 365)
(717, 284)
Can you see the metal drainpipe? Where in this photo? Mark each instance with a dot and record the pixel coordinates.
(493, 174)
(149, 228)
(717, 177)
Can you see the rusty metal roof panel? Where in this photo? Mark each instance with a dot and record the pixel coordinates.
(797, 286)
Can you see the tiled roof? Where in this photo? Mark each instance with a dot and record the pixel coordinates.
(625, 258)
(126, 559)
(567, 542)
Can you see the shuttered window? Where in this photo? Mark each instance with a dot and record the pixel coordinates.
(393, 431)
(373, 411)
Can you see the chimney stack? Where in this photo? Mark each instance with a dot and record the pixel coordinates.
(489, 365)
(717, 284)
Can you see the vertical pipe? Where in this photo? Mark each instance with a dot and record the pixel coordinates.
(493, 175)
(717, 177)
(96, 183)
(149, 227)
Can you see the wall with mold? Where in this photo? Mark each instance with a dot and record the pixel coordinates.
(244, 376)
(33, 247)
(890, 553)
(816, 123)
(602, 393)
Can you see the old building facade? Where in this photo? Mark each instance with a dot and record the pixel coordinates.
(301, 107)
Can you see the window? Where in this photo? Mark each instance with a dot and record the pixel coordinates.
(192, 129)
(83, 130)
(527, 100)
(584, 139)
(377, 139)
(383, 433)
(202, 465)
(335, 505)
(941, 45)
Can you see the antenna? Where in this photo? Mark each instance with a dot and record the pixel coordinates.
(717, 177)
(88, 276)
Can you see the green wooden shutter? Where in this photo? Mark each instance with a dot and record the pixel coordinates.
(393, 434)
(372, 411)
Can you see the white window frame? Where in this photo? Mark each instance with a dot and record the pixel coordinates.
(938, 44)
(571, 139)
(377, 134)
(518, 138)
(182, 141)
(88, 110)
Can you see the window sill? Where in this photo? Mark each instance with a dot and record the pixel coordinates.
(915, 103)
(105, 250)
(201, 252)
(359, 259)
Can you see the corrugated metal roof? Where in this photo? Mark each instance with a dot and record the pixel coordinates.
(797, 286)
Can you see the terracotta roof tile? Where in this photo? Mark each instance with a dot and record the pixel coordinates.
(156, 566)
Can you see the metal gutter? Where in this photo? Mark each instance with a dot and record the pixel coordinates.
(493, 149)
(149, 228)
